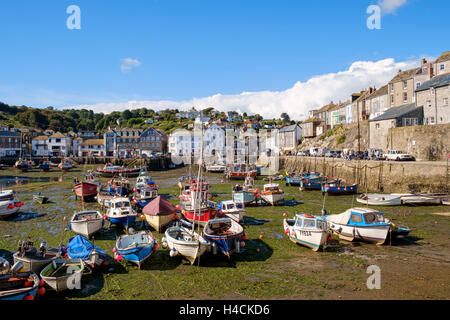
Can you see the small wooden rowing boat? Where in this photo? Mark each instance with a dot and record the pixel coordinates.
(185, 242)
(335, 188)
(40, 198)
(86, 222)
(380, 199)
(135, 248)
(63, 274)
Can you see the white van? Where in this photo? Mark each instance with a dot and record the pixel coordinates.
(314, 152)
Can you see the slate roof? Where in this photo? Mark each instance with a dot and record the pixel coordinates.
(313, 119)
(288, 128)
(396, 112)
(404, 75)
(436, 82)
(8, 134)
(380, 92)
(443, 57)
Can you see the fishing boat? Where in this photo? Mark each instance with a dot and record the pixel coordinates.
(120, 212)
(31, 258)
(375, 199)
(63, 274)
(145, 180)
(247, 193)
(240, 172)
(198, 208)
(110, 170)
(316, 183)
(18, 285)
(65, 165)
(293, 181)
(224, 235)
(307, 230)
(79, 247)
(86, 222)
(135, 248)
(38, 197)
(45, 166)
(233, 210)
(105, 199)
(23, 165)
(335, 188)
(86, 189)
(159, 213)
(360, 224)
(216, 168)
(119, 186)
(10, 205)
(185, 242)
(447, 203)
(423, 198)
(272, 193)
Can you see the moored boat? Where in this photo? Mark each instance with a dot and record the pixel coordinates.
(224, 235)
(185, 242)
(240, 172)
(423, 198)
(272, 194)
(79, 247)
(65, 165)
(335, 188)
(40, 198)
(380, 199)
(216, 168)
(86, 189)
(105, 199)
(307, 230)
(360, 224)
(86, 222)
(120, 212)
(45, 166)
(20, 285)
(233, 210)
(10, 205)
(247, 193)
(62, 274)
(32, 259)
(135, 248)
(316, 183)
(23, 165)
(110, 170)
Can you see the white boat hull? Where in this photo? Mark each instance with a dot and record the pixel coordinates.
(5, 211)
(87, 227)
(381, 200)
(375, 234)
(191, 250)
(311, 238)
(273, 198)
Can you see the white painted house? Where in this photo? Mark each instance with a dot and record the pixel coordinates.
(59, 145)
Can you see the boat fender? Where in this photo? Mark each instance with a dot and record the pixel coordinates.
(41, 283)
(173, 252)
(114, 250)
(237, 247)
(214, 248)
(287, 231)
(117, 257)
(41, 291)
(164, 244)
(244, 237)
(28, 297)
(242, 244)
(156, 247)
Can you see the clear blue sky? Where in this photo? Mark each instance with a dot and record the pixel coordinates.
(197, 48)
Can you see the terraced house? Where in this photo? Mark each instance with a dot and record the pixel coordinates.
(39, 146)
(434, 96)
(10, 144)
(152, 141)
(442, 64)
(91, 148)
(59, 145)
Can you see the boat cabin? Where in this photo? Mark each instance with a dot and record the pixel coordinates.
(230, 205)
(363, 217)
(305, 221)
(272, 188)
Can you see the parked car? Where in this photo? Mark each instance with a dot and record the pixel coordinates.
(304, 153)
(336, 154)
(322, 152)
(329, 154)
(314, 152)
(397, 155)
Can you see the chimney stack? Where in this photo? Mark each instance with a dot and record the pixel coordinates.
(424, 61)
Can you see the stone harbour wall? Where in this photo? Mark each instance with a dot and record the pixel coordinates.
(376, 176)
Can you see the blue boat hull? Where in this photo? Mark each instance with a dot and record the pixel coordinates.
(226, 244)
(311, 185)
(137, 255)
(340, 189)
(125, 221)
(21, 296)
(243, 197)
(293, 181)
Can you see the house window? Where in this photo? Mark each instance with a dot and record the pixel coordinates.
(405, 85)
(445, 102)
(442, 66)
(429, 103)
(392, 98)
(410, 122)
(418, 85)
(405, 97)
(431, 120)
(377, 126)
(392, 87)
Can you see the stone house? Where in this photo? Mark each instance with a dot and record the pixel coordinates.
(309, 127)
(92, 148)
(325, 114)
(442, 64)
(153, 141)
(337, 114)
(433, 96)
(59, 145)
(401, 88)
(289, 137)
(380, 128)
(127, 142)
(10, 144)
(39, 146)
(377, 102)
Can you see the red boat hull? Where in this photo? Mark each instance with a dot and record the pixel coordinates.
(201, 217)
(85, 190)
(242, 175)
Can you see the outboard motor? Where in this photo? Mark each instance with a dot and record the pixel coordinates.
(43, 247)
(16, 267)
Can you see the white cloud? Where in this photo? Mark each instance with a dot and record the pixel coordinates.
(296, 101)
(128, 64)
(391, 6)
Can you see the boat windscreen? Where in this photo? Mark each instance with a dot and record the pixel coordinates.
(309, 223)
(370, 217)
